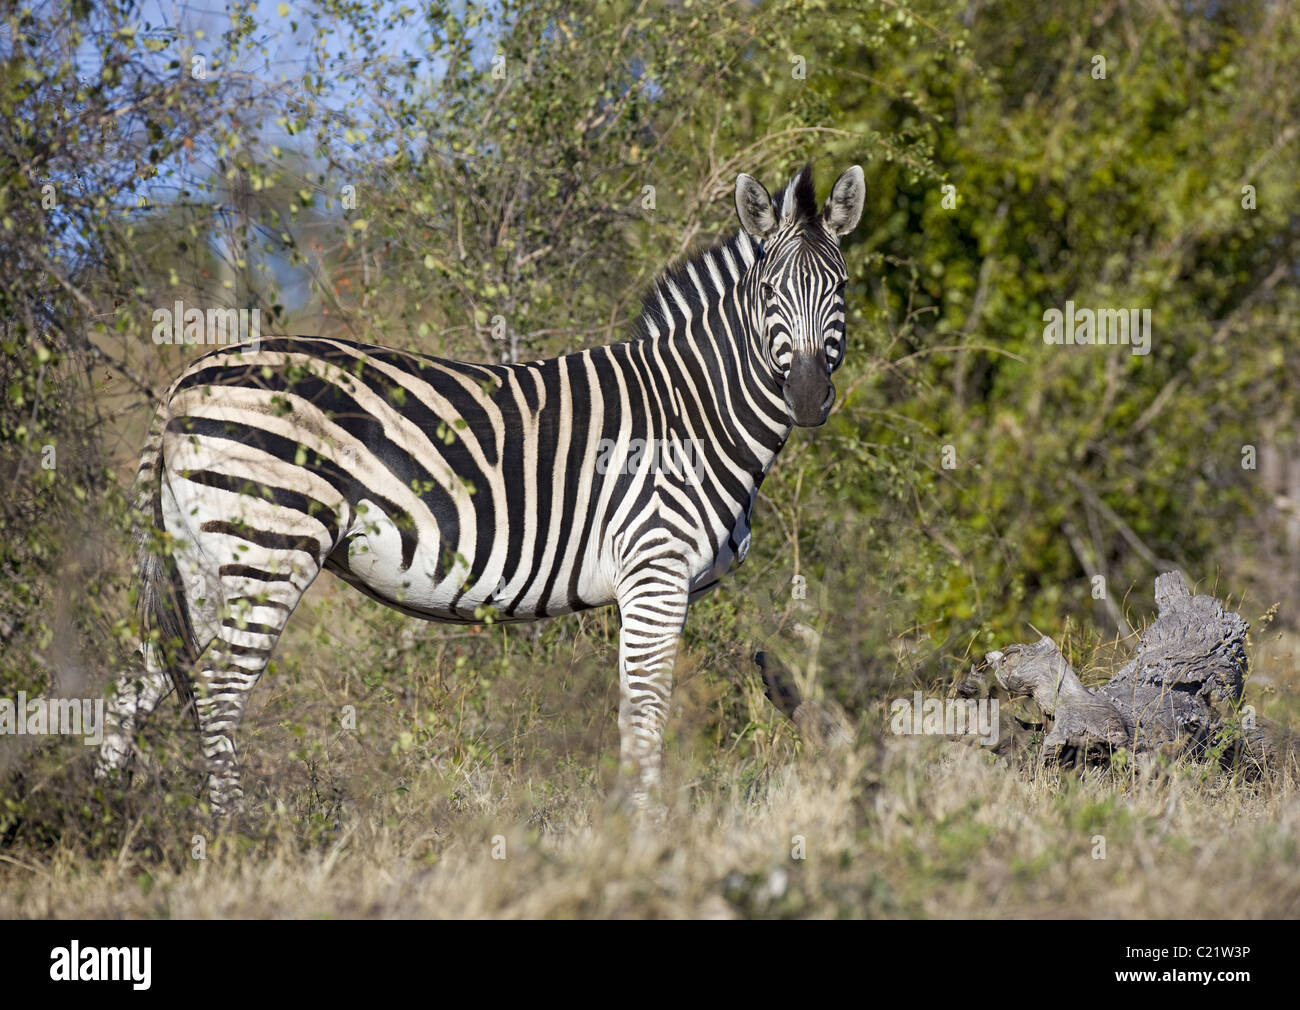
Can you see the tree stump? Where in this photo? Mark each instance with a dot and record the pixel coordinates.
(1180, 693)
(1189, 667)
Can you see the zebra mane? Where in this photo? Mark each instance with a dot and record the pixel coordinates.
(689, 286)
(694, 283)
(800, 196)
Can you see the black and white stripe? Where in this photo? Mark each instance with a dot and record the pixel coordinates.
(442, 488)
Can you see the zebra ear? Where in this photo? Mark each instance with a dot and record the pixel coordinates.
(844, 208)
(754, 206)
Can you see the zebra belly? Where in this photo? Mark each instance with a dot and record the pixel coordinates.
(370, 558)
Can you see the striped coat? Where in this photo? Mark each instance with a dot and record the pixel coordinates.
(453, 491)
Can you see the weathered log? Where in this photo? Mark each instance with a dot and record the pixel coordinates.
(1266, 746)
(1189, 665)
(1180, 692)
(1082, 719)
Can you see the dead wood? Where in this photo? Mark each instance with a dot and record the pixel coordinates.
(1179, 693)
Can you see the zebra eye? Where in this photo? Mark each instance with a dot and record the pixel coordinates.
(767, 292)
(782, 353)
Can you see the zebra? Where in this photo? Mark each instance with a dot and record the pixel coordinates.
(443, 488)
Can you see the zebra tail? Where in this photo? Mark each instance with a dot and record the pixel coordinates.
(162, 606)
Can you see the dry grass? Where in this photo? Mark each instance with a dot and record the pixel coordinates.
(404, 815)
(917, 829)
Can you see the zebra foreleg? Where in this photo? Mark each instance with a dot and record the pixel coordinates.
(652, 606)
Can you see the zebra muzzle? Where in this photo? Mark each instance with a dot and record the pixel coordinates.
(809, 392)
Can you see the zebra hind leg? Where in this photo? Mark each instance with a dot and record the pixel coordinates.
(138, 694)
(256, 611)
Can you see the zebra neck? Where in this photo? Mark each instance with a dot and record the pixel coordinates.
(702, 326)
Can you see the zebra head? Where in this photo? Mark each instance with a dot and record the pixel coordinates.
(798, 283)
